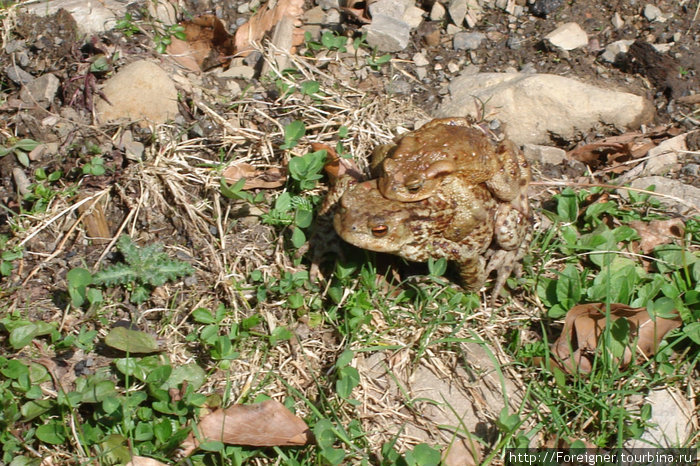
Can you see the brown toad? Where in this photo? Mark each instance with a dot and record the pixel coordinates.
(415, 167)
(416, 230)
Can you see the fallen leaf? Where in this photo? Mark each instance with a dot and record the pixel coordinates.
(337, 167)
(207, 45)
(266, 19)
(144, 461)
(254, 178)
(585, 323)
(657, 232)
(264, 424)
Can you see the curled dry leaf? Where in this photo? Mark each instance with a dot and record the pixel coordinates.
(616, 150)
(336, 167)
(208, 44)
(254, 178)
(585, 323)
(264, 424)
(657, 232)
(266, 19)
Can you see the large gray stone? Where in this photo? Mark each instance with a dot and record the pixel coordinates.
(541, 108)
(40, 91)
(139, 91)
(468, 40)
(387, 34)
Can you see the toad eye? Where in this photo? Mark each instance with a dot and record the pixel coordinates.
(380, 231)
(414, 185)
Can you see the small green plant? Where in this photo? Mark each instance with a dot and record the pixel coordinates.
(307, 169)
(20, 148)
(143, 268)
(292, 133)
(44, 190)
(95, 167)
(8, 256)
(126, 25)
(79, 290)
(164, 38)
(329, 41)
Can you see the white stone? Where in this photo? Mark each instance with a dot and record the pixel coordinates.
(660, 159)
(437, 12)
(92, 17)
(672, 415)
(617, 21)
(420, 60)
(568, 36)
(452, 67)
(413, 16)
(538, 108)
(138, 91)
(544, 154)
(662, 48)
(614, 48)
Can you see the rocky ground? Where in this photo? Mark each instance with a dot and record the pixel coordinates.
(132, 139)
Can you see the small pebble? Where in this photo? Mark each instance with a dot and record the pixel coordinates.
(652, 12)
(437, 12)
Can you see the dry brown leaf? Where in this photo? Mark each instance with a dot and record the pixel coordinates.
(144, 461)
(585, 323)
(266, 19)
(657, 232)
(462, 452)
(265, 424)
(254, 178)
(335, 166)
(208, 44)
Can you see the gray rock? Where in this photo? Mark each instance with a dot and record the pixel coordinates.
(544, 154)
(437, 12)
(387, 34)
(613, 49)
(652, 12)
(419, 60)
(140, 91)
(538, 108)
(457, 10)
(91, 17)
(393, 8)
(617, 21)
(18, 75)
(15, 46)
(329, 4)
(474, 13)
(413, 16)
(467, 40)
(685, 199)
(40, 91)
(568, 36)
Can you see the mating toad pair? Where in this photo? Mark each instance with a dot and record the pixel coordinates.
(444, 190)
